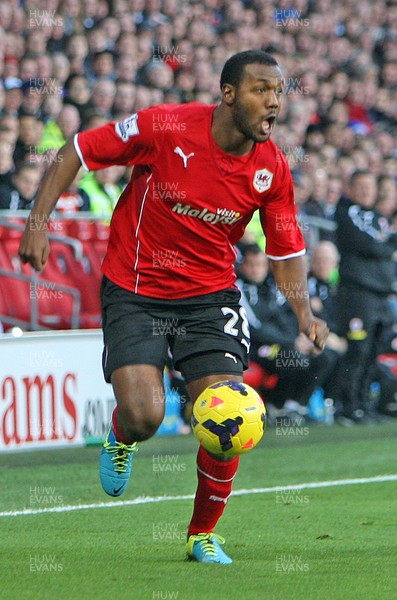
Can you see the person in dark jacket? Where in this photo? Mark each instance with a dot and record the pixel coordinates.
(20, 192)
(367, 246)
(322, 287)
(276, 344)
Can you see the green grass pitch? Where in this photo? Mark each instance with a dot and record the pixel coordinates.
(334, 543)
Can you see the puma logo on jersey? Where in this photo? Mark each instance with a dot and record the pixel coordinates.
(183, 156)
(228, 355)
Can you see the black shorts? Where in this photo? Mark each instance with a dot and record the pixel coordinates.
(206, 334)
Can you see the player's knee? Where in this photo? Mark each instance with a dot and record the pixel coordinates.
(140, 402)
(143, 430)
(138, 425)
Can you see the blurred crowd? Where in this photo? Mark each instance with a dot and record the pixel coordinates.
(70, 65)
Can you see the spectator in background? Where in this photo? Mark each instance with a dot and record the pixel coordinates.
(36, 41)
(69, 121)
(112, 27)
(33, 97)
(314, 139)
(78, 94)
(316, 204)
(57, 131)
(386, 201)
(346, 170)
(44, 64)
(9, 129)
(382, 109)
(30, 132)
(97, 40)
(10, 67)
(61, 67)
(21, 192)
(74, 199)
(13, 96)
(158, 75)
(103, 190)
(28, 68)
(103, 96)
(366, 244)
(303, 186)
(2, 97)
(95, 120)
(322, 285)
(276, 344)
(324, 264)
(126, 68)
(52, 106)
(124, 100)
(334, 193)
(102, 66)
(143, 98)
(76, 53)
(126, 45)
(6, 162)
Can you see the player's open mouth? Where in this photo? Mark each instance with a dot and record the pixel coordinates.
(267, 124)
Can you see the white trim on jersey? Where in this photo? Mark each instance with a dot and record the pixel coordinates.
(294, 255)
(138, 243)
(80, 155)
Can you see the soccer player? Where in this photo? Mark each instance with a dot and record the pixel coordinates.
(199, 174)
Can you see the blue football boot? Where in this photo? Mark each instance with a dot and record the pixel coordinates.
(206, 548)
(115, 464)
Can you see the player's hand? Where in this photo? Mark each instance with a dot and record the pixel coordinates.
(303, 344)
(34, 247)
(316, 331)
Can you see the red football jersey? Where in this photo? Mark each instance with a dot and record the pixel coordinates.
(188, 202)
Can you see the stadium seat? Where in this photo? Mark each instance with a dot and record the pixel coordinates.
(102, 231)
(258, 378)
(9, 257)
(15, 293)
(64, 269)
(80, 229)
(55, 306)
(14, 299)
(390, 361)
(94, 237)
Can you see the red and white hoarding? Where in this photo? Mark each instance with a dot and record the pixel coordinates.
(52, 391)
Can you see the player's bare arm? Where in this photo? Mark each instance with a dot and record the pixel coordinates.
(34, 247)
(290, 276)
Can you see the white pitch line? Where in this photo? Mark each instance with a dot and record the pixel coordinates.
(155, 499)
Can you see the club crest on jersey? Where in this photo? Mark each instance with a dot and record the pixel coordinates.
(127, 128)
(262, 180)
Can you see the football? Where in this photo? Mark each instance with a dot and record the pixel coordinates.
(229, 418)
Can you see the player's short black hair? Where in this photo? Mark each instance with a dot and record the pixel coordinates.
(233, 69)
